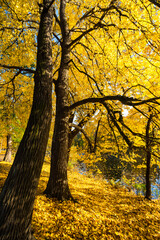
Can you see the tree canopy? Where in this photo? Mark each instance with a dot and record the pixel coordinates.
(102, 57)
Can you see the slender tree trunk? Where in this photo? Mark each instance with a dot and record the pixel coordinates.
(148, 160)
(96, 137)
(18, 194)
(148, 182)
(57, 186)
(8, 154)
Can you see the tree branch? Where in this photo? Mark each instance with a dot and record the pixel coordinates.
(57, 37)
(85, 15)
(84, 133)
(99, 24)
(18, 68)
(112, 117)
(155, 2)
(130, 101)
(88, 76)
(96, 136)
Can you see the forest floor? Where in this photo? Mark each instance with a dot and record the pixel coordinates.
(103, 212)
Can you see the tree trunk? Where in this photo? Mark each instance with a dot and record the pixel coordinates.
(18, 194)
(8, 154)
(57, 186)
(148, 160)
(148, 182)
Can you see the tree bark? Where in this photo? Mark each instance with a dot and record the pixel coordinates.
(148, 160)
(57, 186)
(18, 194)
(8, 153)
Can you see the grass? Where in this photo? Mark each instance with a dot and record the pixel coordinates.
(103, 212)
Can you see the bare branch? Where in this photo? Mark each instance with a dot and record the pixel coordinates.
(88, 76)
(130, 101)
(57, 37)
(18, 29)
(85, 15)
(56, 18)
(138, 85)
(99, 24)
(11, 81)
(155, 2)
(18, 68)
(84, 133)
(96, 136)
(124, 125)
(113, 119)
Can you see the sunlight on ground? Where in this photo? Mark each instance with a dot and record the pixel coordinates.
(103, 212)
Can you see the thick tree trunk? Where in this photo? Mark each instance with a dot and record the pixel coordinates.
(57, 186)
(18, 194)
(8, 154)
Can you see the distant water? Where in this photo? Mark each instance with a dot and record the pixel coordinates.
(139, 188)
(155, 189)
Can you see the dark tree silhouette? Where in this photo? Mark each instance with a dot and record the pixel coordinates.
(18, 194)
(58, 184)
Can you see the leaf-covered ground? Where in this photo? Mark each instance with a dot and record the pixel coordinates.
(102, 212)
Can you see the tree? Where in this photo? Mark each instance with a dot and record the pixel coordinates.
(18, 194)
(8, 154)
(148, 159)
(140, 138)
(58, 181)
(85, 31)
(16, 82)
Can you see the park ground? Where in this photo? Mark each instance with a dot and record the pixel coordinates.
(102, 211)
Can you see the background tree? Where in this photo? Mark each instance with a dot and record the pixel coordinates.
(17, 31)
(100, 71)
(14, 114)
(8, 153)
(148, 159)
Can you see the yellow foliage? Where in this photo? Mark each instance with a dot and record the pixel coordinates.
(102, 212)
